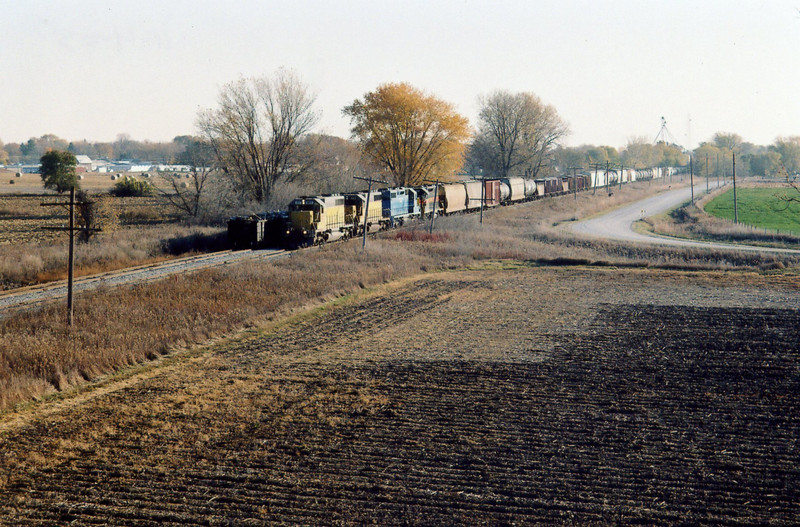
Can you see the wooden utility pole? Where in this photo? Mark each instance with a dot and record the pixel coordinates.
(71, 229)
(691, 177)
(596, 167)
(707, 189)
(366, 205)
(735, 207)
(435, 201)
(575, 181)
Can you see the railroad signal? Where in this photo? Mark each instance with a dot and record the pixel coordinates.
(72, 229)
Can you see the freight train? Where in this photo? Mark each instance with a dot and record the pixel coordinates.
(316, 220)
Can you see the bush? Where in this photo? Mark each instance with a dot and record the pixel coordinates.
(130, 186)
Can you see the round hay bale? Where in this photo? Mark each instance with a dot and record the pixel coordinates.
(184, 185)
(11, 182)
(18, 174)
(146, 174)
(113, 178)
(80, 177)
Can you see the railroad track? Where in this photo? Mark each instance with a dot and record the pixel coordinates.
(33, 296)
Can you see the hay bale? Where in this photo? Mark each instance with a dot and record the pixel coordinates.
(184, 185)
(11, 182)
(18, 174)
(80, 177)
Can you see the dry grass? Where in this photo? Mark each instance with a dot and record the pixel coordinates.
(124, 326)
(145, 232)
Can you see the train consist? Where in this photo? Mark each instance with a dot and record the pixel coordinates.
(315, 220)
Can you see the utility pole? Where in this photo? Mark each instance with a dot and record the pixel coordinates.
(366, 205)
(575, 181)
(435, 201)
(735, 208)
(691, 176)
(716, 169)
(608, 180)
(707, 189)
(621, 171)
(595, 167)
(71, 229)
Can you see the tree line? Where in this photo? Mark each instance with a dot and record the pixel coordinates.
(258, 147)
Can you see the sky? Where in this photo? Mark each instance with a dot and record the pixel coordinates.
(87, 69)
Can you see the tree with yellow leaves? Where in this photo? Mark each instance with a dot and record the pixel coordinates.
(413, 135)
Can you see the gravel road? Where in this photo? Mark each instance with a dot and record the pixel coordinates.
(618, 223)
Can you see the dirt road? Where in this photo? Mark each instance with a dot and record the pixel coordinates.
(617, 224)
(497, 396)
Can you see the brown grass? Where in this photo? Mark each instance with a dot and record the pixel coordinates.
(124, 326)
(145, 233)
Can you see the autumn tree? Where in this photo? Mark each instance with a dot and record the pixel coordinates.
(412, 135)
(640, 153)
(58, 170)
(517, 133)
(254, 131)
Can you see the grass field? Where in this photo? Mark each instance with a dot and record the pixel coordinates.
(760, 207)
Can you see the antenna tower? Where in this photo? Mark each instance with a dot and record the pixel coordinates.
(664, 134)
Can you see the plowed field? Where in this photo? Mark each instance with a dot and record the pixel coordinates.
(504, 396)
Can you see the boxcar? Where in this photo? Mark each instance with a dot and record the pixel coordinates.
(491, 192)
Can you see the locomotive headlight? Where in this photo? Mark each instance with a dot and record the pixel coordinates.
(305, 231)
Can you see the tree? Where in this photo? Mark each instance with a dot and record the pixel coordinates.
(58, 170)
(188, 195)
(640, 153)
(255, 130)
(728, 141)
(333, 162)
(412, 135)
(788, 148)
(517, 133)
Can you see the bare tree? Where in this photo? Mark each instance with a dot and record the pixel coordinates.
(187, 191)
(255, 130)
(516, 132)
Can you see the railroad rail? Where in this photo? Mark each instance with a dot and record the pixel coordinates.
(29, 297)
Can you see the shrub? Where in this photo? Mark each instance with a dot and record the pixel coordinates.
(130, 186)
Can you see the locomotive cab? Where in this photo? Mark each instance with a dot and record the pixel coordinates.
(316, 220)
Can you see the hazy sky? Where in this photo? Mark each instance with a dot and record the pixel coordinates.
(86, 69)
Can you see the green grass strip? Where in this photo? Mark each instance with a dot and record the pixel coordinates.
(760, 207)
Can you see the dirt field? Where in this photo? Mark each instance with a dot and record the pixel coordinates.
(510, 395)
